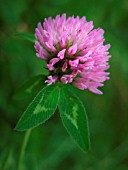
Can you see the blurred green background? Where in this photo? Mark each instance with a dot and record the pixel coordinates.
(49, 146)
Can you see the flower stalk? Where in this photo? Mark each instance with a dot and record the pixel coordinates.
(23, 148)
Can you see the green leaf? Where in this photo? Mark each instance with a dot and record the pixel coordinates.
(74, 117)
(41, 109)
(29, 37)
(31, 85)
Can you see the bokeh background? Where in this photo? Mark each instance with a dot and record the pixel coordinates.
(49, 146)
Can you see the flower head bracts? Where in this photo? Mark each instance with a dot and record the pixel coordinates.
(73, 51)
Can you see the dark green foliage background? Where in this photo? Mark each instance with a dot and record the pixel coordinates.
(50, 147)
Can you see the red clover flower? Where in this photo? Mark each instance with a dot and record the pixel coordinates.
(74, 52)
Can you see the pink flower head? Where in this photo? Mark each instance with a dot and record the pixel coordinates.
(74, 52)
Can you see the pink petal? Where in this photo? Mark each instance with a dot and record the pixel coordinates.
(64, 67)
(61, 54)
(72, 50)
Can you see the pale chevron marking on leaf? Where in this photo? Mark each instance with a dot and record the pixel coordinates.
(73, 119)
(41, 108)
(74, 113)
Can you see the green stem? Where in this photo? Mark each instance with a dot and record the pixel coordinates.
(23, 148)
